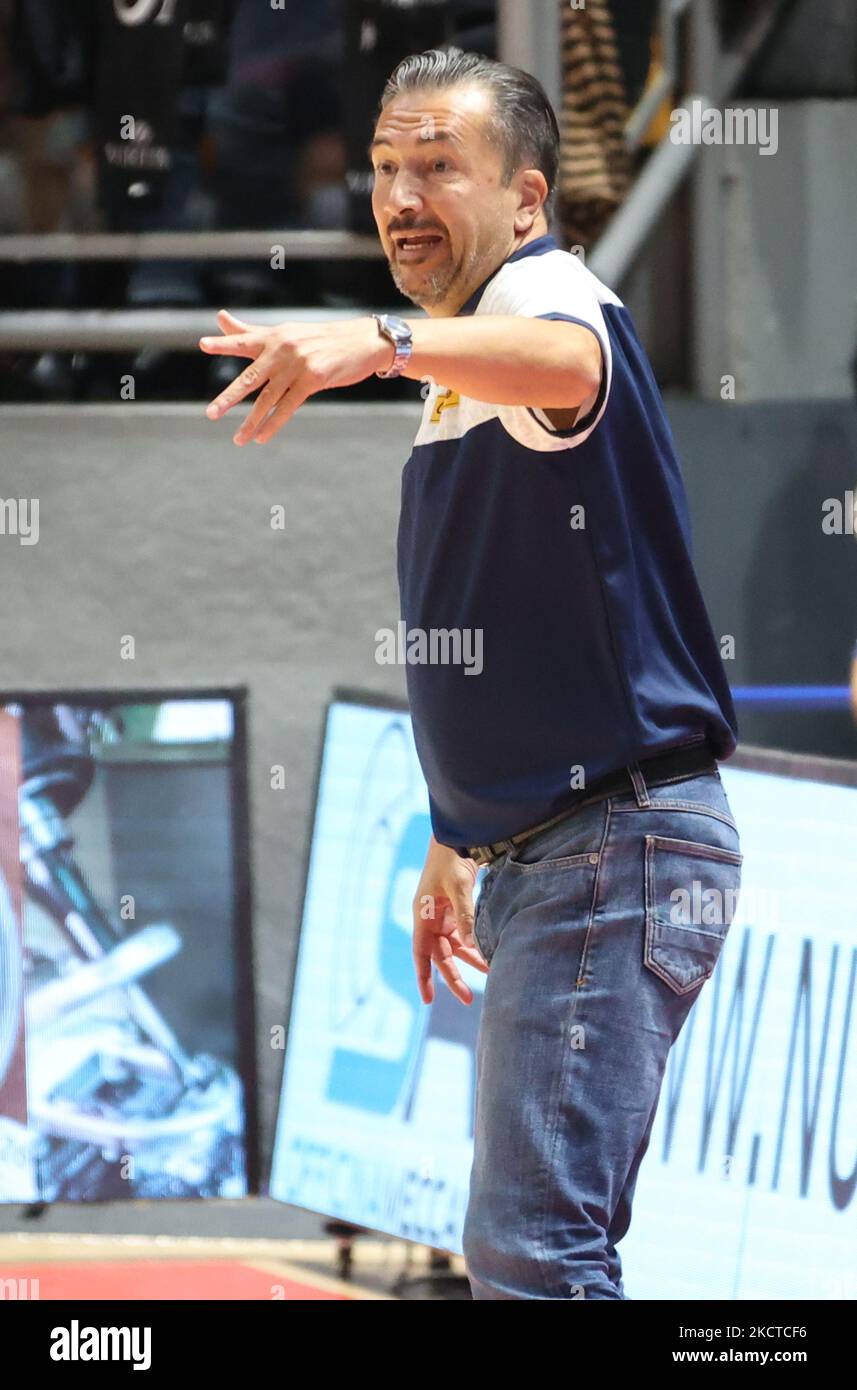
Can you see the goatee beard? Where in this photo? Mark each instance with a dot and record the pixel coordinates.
(433, 290)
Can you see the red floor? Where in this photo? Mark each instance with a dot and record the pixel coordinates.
(164, 1279)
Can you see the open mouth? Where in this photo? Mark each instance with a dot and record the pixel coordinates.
(416, 244)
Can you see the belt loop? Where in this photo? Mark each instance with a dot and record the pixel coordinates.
(638, 782)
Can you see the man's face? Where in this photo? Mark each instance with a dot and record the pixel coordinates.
(445, 219)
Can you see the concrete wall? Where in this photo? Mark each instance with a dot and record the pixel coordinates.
(153, 523)
(775, 264)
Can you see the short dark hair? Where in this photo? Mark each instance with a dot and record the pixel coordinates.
(527, 129)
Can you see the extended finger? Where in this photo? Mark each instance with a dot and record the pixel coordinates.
(445, 962)
(294, 397)
(464, 946)
(250, 379)
(422, 965)
(473, 956)
(266, 401)
(229, 323)
(233, 345)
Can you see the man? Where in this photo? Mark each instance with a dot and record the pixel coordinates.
(543, 511)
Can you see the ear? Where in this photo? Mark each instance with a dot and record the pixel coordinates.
(532, 193)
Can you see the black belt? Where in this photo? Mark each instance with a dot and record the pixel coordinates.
(673, 766)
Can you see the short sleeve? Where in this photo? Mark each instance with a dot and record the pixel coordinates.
(557, 286)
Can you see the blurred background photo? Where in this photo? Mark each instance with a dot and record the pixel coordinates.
(215, 1067)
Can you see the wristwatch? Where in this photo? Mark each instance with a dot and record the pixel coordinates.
(402, 339)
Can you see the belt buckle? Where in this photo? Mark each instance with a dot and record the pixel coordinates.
(482, 854)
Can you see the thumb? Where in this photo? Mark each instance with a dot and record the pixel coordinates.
(461, 898)
(229, 323)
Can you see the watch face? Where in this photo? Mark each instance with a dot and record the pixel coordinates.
(399, 330)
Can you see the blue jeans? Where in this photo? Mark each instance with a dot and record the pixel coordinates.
(600, 933)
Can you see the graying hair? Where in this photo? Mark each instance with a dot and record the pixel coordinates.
(524, 120)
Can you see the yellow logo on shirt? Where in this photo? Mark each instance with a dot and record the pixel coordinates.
(445, 401)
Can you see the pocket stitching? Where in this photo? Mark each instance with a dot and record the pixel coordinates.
(716, 853)
(693, 848)
(696, 806)
(588, 857)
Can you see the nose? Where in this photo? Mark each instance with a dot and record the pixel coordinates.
(403, 194)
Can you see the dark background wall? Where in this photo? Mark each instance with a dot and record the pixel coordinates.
(757, 477)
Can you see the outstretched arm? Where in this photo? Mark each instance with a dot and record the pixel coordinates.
(502, 359)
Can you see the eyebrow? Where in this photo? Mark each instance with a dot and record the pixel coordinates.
(439, 137)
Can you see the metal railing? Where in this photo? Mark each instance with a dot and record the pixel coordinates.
(208, 246)
(714, 74)
(527, 36)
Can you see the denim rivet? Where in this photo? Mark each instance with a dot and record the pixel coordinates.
(593, 858)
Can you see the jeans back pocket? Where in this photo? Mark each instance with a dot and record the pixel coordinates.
(691, 894)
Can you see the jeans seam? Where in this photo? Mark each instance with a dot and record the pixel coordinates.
(476, 914)
(697, 806)
(680, 777)
(548, 1203)
(481, 909)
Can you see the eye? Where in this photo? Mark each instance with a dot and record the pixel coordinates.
(384, 167)
(440, 166)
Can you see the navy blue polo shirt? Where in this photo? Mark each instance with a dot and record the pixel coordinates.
(553, 624)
